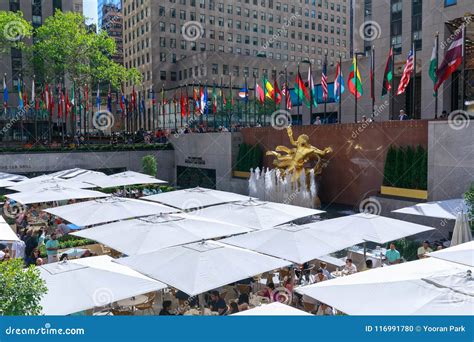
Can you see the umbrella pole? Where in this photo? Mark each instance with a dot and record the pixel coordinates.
(201, 302)
(365, 251)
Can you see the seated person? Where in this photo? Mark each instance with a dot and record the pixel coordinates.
(233, 308)
(368, 265)
(349, 268)
(323, 266)
(217, 304)
(392, 255)
(325, 310)
(268, 292)
(320, 276)
(423, 250)
(166, 310)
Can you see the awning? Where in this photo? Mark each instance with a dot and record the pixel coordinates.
(124, 179)
(462, 254)
(257, 214)
(273, 309)
(195, 198)
(152, 233)
(6, 232)
(203, 266)
(52, 194)
(83, 284)
(108, 209)
(370, 227)
(447, 209)
(423, 287)
(293, 242)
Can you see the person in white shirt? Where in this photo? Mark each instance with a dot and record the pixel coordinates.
(318, 121)
(325, 310)
(18, 249)
(350, 268)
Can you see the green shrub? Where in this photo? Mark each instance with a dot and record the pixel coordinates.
(406, 167)
(149, 165)
(249, 157)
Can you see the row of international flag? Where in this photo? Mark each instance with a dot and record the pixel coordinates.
(201, 102)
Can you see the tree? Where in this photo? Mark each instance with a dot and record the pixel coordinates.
(399, 167)
(64, 46)
(13, 30)
(20, 289)
(149, 165)
(409, 172)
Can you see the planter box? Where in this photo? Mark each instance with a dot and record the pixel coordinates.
(402, 192)
(241, 174)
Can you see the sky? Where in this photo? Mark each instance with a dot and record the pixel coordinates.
(90, 10)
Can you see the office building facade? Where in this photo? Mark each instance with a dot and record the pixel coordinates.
(400, 24)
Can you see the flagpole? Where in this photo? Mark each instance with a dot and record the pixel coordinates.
(33, 99)
(246, 102)
(222, 103)
(206, 108)
(436, 92)
(372, 82)
(392, 90)
(326, 98)
(229, 118)
(181, 104)
(255, 99)
(355, 83)
(414, 82)
(340, 88)
(463, 70)
(287, 88)
(301, 102)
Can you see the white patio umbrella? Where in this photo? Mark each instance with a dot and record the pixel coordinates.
(273, 309)
(6, 183)
(423, 287)
(125, 179)
(295, 243)
(12, 177)
(203, 266)
(50, 183)
(108, 209)
(195, 198)
(461, 254)
(462, 230)
(370, 227)
(257, 214)
(6, 233)
(83, 284)
(52, 194)
(152, 233)
(447, 209)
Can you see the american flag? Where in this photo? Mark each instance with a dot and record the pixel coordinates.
(324, 82)
(407, 71)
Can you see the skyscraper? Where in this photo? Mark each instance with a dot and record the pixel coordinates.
(102, 3)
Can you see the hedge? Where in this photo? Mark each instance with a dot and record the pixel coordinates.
(89, 148)
(406, 167)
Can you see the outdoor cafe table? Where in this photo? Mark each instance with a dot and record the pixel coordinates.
(132, 302)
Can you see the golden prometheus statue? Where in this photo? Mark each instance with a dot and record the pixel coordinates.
(294, 159)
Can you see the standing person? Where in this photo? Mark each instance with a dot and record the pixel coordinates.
(403, 116)
(32, 259)
(31, 242)
(323, 266)
(318, 121)
(52, 247)
(392, 255)
(424, 249)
